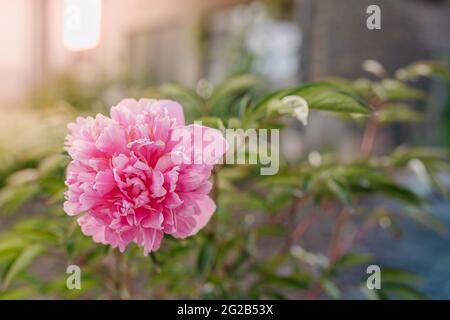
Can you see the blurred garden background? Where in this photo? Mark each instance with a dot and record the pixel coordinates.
(352, 190)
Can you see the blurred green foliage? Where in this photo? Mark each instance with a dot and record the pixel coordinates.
(253, 247)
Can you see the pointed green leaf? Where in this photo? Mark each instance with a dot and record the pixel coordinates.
(21, 262)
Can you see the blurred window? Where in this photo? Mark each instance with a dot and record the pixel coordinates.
(247, 38)
(158, 55)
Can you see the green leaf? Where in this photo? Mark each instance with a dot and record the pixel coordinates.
(363, 179)
(9, 245)
(370, 294)
(402, 291)
(279, 180)
(246, 200)
(274, 294)
(340, 190)
(402, 155)
(239, 262)
(398, 275)
(352, 259)
(13, 197)
(395, 283)
(424, 218)
(234, 85)
(37, 229)
(279, 200)
(213, 122)
(331, 289)
(23, 293)
(185, 95)
(52, 163)
(360, 87)
(397, 112)
(320, 96)
(271, 230)
(20, 263)
(423, 69)
(22, 177)
(300, 280)
(390, 89)
(234, 123)
(204, 257)
(325, 97)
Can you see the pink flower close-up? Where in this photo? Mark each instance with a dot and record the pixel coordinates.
(132, 177)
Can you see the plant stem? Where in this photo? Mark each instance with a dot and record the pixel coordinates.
(123, 292)
(302, 227)
(215, 195)
(370, 133)
(356, 236)
(342, 219)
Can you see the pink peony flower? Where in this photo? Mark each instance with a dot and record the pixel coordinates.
(133, 176)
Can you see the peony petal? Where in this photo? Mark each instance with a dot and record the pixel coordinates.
(174, 109)
(172, 200)
(157, 184)
(133, 174)
(151, 240)
(90, 227)
(123, 112)
(104, 182)
(72, 208)
(87, 202)
(209, 145)
(207, 208)
(188, 226)
(153, 219)
(183, 227)
(112, 140)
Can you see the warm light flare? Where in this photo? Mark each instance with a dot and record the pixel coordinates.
(82, 20)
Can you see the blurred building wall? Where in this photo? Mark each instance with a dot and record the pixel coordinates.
(339, 40)
(336, 39)
(120, 20)
(19, 59)
(33, 48)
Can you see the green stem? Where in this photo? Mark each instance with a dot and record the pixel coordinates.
(121, 276)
